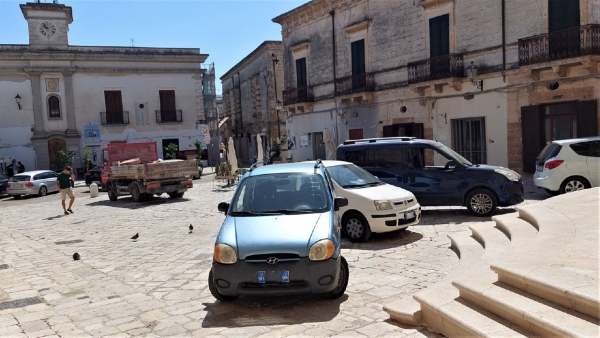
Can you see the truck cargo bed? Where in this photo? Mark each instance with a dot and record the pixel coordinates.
(155, 171)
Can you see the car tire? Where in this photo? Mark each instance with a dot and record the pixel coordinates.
(573, 184)
(16, 196)
(481, 202)
(111, 192)
(342, 280)
(43, 191)
(213, 290)
(552, 192)
(356, 227)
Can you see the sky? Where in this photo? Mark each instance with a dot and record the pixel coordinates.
(227, 30)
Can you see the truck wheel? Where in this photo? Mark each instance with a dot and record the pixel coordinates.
(135, 192)
(175, 194)
(111, 191)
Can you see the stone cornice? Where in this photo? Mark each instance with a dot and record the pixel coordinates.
(300, 47)
(310, 12)
(48, 8)
(57, 55)
(103, 70)
(426, 4)
(357, 27)
(251, 57)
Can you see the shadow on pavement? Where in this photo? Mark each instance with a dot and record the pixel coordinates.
(128, 203)
(440, 215)
(259, 311)
(382, 241)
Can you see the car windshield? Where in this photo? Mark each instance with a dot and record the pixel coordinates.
(454, 154)
(351, 176)
(281, 193)
(20, 178)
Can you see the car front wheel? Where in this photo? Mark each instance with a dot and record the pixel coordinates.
(356, 228)
(213, 290)
(573, 184)
(342, 280)
(481, 202)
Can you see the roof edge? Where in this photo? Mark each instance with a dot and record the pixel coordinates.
(252, 54)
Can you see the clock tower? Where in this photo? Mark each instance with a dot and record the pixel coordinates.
(48, 25)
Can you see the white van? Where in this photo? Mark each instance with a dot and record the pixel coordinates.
(373, 206)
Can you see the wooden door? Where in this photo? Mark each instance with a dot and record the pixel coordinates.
(54, 146)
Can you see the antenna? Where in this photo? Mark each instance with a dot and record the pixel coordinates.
(132, 42)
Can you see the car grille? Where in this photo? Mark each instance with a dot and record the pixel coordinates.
(282, 257)
(403, 203)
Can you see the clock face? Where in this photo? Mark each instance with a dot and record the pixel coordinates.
(47, 28)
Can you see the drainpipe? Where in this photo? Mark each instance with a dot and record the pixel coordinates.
(332, 13)
(503, 42)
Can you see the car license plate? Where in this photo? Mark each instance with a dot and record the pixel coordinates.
(285, 276)
(262, 277)
(409, 215)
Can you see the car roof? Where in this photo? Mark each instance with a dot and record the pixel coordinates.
(388, 140)
(297, 167)
(329, 163)
(35, 172)
(577, 140)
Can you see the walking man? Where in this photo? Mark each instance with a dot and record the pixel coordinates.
(63, 181)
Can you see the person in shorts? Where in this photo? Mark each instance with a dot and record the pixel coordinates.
(63, 181)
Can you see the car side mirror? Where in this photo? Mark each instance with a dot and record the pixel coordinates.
(223, 207)
(339, 202)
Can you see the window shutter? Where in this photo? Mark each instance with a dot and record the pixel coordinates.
(358, 56)
(532, 136)
(167, 100)
(301, 72)
(587, 118)
(113, 101)
(563, 14)
(439, 35)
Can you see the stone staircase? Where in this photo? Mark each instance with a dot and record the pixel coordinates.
(533, 273)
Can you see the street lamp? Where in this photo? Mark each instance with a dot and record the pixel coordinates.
(277, 102)
(472, 74)
(18, 100)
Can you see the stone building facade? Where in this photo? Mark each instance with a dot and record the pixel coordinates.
(250, 101)
(73, 97)
(368, 68)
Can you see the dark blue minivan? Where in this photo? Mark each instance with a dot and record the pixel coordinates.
(408, 163)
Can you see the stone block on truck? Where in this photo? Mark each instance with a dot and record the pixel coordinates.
(134, 169)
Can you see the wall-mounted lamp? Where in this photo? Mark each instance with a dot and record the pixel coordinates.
(278, 105)
(18, 99)
(472, 75)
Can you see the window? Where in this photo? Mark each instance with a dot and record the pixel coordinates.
(396, 157)
(581, 148)
(595, 149)
(355, 134)
(301, 73)
(358, 57)
(563, 18)
(469, 139)
(54, 107)
(167, 106)
(114, 107)
(439, 36)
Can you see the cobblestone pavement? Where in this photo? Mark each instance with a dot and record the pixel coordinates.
(157, 286)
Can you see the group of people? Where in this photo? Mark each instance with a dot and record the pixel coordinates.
(14, 168)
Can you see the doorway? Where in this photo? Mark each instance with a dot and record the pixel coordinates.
(318, 146)
(54, 146)
(469, 139)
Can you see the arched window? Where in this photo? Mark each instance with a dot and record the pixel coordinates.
(54, 106)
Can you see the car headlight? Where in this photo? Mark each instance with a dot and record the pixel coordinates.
(225, 254)
(511, 175)
(321, 250)
(383, 205)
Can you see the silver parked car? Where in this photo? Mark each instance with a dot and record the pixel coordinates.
(39, 182)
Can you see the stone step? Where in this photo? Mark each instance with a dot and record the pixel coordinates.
(492, 239)
(518, 230)
(557, 284)
(528, 311)
(467, 249)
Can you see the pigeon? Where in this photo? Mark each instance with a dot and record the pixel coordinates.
(76, 256)
(191, 229)
(135, 237)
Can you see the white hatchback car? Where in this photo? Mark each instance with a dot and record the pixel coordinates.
(568, 165)
(373, 206)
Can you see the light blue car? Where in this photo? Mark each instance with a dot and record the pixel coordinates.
(281, 235)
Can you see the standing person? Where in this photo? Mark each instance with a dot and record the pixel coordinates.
(63, 182)
(21, 168)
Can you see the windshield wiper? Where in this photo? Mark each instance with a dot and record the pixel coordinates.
(354, 185)
(290, 212)
(248, 213)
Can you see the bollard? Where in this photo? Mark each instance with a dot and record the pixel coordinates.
(93, 190)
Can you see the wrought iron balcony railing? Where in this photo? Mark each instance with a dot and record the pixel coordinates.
(114, 118)
(298, 95)
(357, 83)
(168, 116)
(564, 44)
(439, 67)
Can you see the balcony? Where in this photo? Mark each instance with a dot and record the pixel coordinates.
(168, 116)
(298, 95)
(114, 118)
(357, 83)
(436, 68)
(564, 44)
